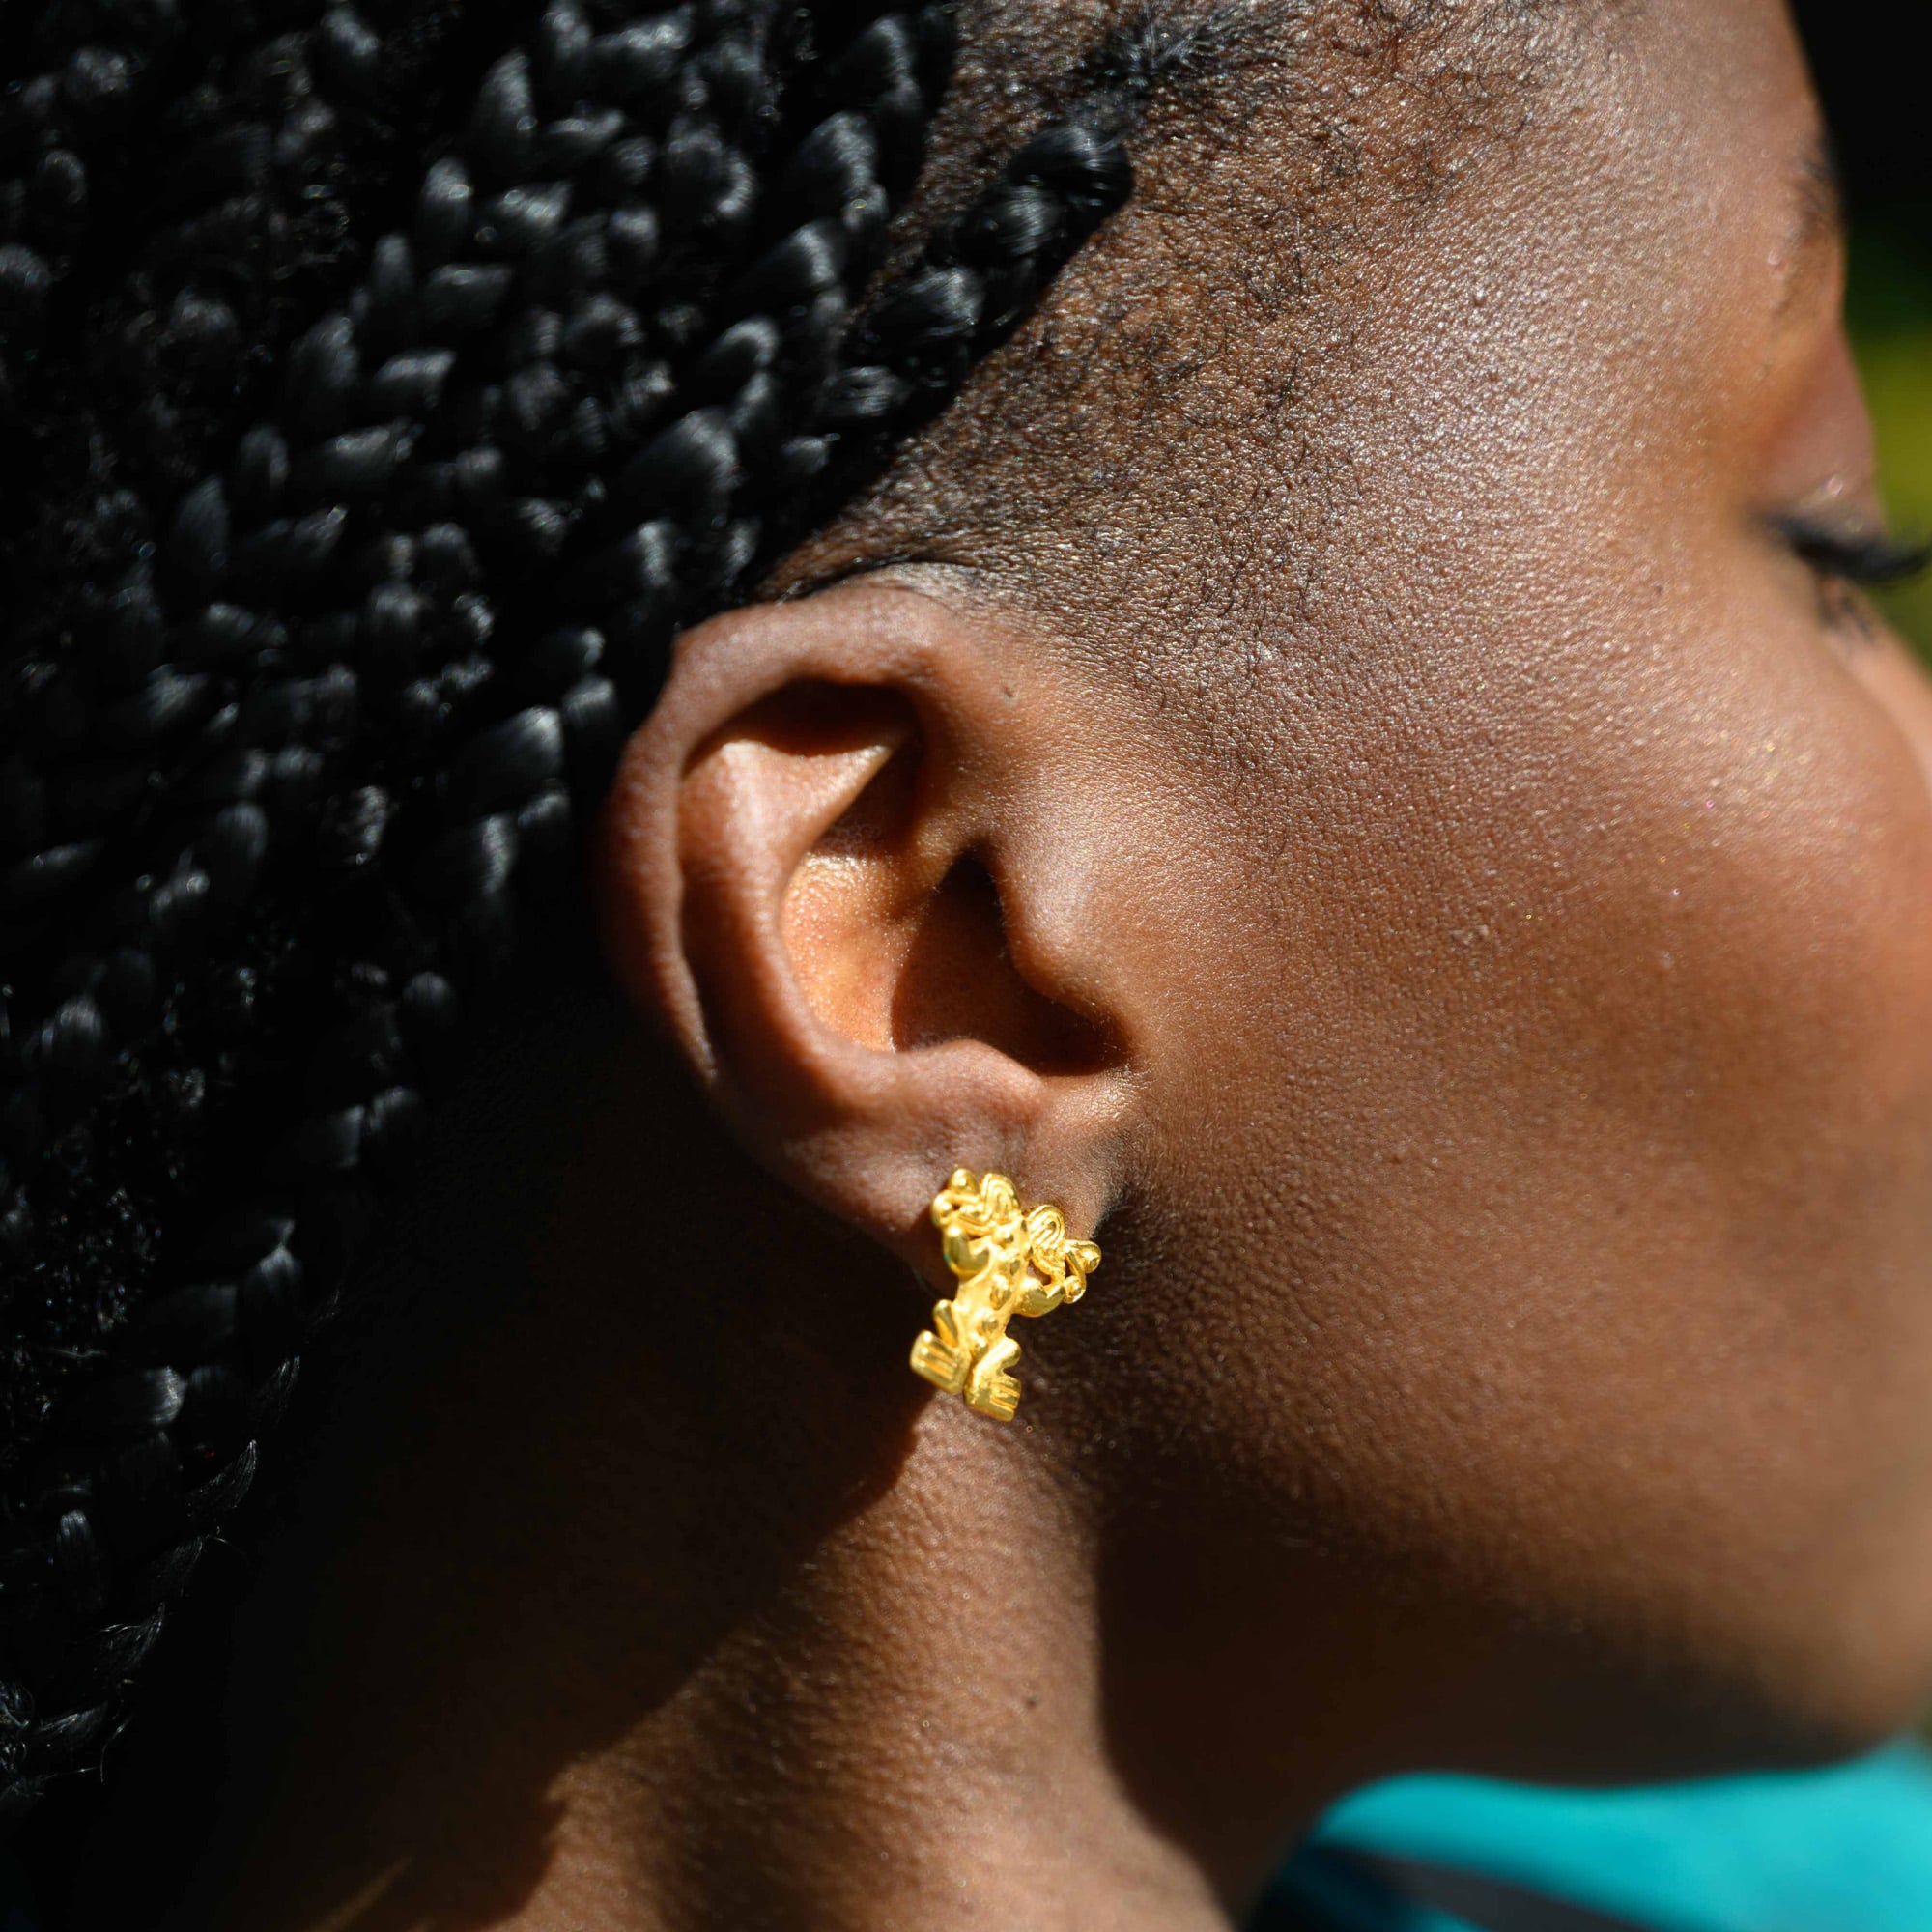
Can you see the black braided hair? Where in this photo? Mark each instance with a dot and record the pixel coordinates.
(376, 401)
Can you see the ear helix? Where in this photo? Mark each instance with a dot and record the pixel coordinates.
(1007, 1263)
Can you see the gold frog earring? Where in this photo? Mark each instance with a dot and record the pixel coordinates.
(1008, 1264)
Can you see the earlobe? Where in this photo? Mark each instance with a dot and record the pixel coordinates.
(806, 879)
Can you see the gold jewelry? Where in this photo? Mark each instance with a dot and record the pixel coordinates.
(1008, 1264)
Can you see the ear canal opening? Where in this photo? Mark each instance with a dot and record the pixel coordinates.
(884, 958)
(959, 981)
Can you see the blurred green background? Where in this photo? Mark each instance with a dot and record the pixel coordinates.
(1892, 326)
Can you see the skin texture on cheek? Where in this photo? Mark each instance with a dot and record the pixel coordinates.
(1552, 1114)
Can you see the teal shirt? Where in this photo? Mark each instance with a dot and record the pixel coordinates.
(1842, 1850)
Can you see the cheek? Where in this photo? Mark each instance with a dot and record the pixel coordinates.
(1577, 1224)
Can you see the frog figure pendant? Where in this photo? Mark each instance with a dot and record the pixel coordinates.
(1008, 1263)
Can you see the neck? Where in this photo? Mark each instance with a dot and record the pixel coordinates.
(670, 1599)
(908, 1735)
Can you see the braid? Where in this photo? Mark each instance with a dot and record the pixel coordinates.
(204, 200)
(353, 573)
(64, 136)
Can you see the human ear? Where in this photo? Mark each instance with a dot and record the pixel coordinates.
(845, 864)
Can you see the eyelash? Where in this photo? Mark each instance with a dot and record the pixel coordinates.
(1870, 560)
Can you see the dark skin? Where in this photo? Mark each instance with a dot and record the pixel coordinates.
(1432, 878)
